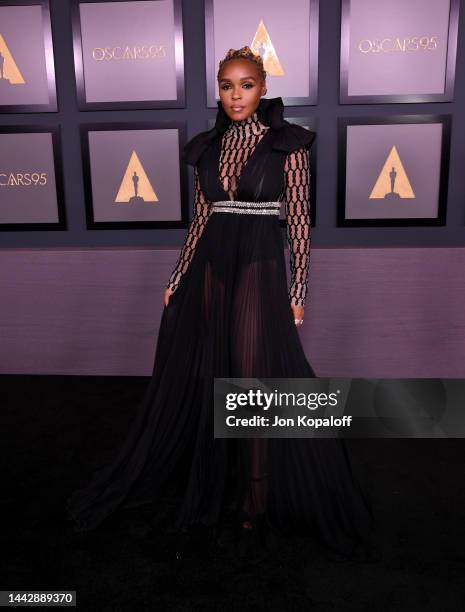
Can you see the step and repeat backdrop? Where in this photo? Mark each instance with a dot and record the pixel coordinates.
(98, 98)
(391, 169)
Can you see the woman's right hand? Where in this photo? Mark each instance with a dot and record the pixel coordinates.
(166, 295)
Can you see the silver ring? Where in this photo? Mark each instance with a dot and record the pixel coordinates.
(298, 321)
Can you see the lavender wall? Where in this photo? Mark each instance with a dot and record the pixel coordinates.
(383, 301)
(371, 312)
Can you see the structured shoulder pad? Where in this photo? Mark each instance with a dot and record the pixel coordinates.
(195, 147)
(292, 136)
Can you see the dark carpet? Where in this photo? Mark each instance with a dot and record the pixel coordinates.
(57, 429)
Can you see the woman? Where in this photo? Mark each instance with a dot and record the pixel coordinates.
(228, 313)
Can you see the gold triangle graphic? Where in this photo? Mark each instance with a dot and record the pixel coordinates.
(392, 181)
(262, 42)
(135, 183)
(10, 71)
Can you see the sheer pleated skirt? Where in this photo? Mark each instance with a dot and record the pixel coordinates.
(229, 317)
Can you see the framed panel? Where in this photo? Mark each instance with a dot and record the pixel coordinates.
(287, 40)
(400, 51)
(393, 171)
(27, 70)
(128, 54)
(31, 178)
(134, 176)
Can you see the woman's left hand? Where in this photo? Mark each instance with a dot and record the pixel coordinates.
(298, 312)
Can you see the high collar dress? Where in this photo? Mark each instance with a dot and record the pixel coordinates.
(229, 316)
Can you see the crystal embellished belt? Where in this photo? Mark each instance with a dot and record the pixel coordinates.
(250, 208)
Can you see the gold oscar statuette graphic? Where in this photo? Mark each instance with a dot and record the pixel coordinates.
(135, 188)
(262, 45)
(392, 182)
(9, 71)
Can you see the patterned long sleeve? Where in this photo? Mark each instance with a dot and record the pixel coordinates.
(297, 179)
(202, 211)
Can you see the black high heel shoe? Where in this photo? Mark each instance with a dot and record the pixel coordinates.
(246, 534)
(246, 521)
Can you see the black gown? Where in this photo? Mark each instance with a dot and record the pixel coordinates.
(229, 316)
